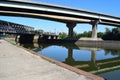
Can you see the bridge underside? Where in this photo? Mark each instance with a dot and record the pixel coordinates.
(64, 19)
(58, 18)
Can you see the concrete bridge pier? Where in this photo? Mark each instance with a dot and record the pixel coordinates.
(56, 37)
(16, 38)
(94, 24)
(46, 37)
(52, 37)
(26, 38)
(94, 28)
(70, 26)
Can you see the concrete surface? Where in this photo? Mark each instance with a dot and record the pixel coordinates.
(18, 64)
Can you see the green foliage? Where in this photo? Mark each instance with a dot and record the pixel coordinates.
(100, 34)
(113, 34)
(0, 35)
(62, 35)
(112, 52)
(86, 34)
(76, 35)
(107, 30)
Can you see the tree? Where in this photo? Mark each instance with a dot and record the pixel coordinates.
(100, 34)
(116, 33)
(76, 35)
(86, 34)
(113, 34)
(107, 34)
(107, 30)
(62, 35)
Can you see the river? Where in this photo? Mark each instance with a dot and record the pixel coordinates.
(104, 62)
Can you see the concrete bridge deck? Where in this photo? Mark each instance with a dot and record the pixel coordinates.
(18, 64)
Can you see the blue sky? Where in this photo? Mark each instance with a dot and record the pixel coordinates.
(103, 6)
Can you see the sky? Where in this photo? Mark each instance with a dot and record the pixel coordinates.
(110, 7)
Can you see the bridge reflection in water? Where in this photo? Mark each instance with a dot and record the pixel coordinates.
(96, 60)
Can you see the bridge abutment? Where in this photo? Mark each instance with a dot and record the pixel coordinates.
(26, 38)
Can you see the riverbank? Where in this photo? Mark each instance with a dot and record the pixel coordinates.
(99, 44)
(87, 43)
(18, 64)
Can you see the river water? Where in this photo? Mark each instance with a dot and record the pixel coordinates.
(104, 62)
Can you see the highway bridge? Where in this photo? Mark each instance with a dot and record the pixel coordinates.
(69, 16)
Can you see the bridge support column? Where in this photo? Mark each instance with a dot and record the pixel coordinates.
(57, 37)
(94, 31)
(94, 28)
(26, 38)
(70, 27)
(52, 37)
(16, 38)
(46, 37)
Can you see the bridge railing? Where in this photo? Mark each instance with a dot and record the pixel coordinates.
(8, 27)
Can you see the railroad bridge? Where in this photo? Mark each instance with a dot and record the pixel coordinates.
(13, 28)
(26, 33)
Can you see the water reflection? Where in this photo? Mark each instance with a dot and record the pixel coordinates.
(70, 60)
(113, 52)
(95, 60)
